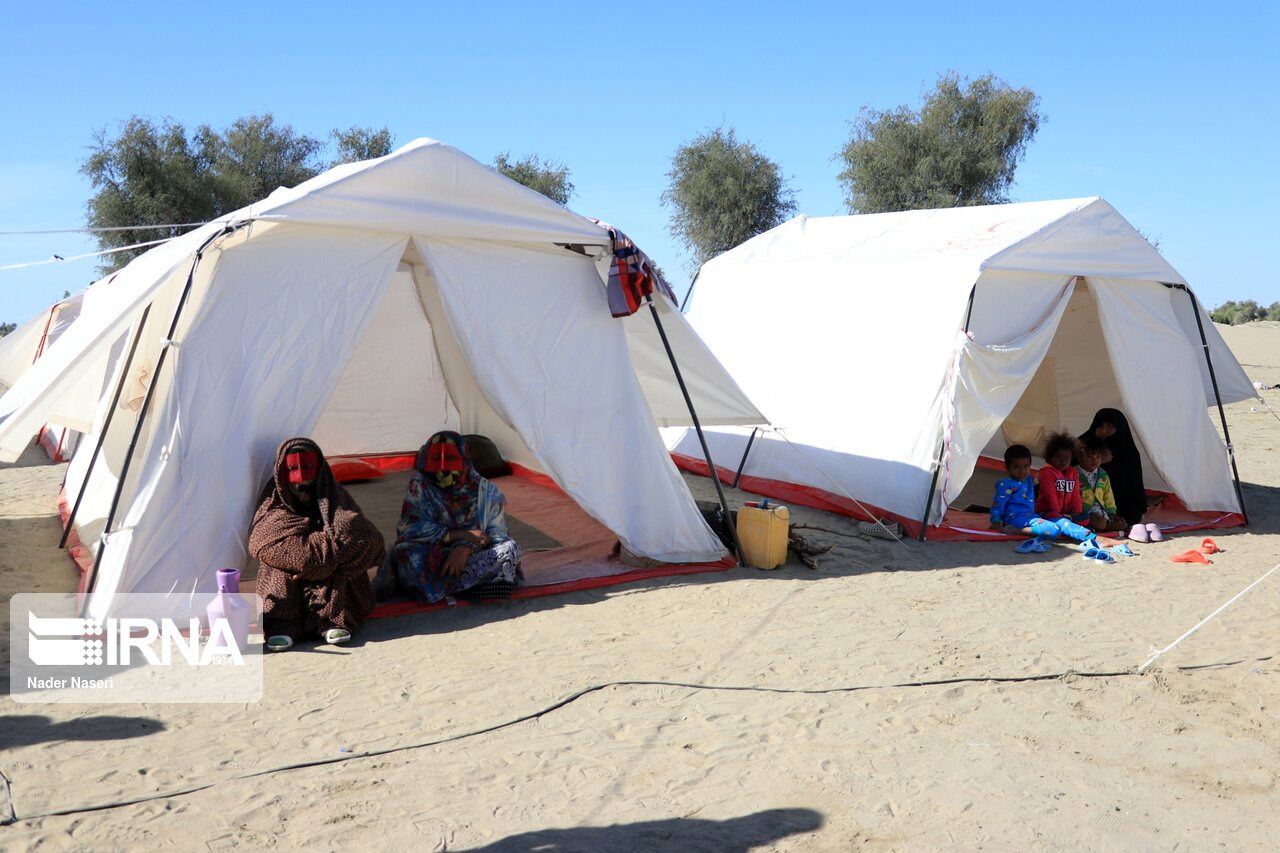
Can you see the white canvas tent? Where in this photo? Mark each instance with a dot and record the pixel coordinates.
(22, 347)
(849, 333)
(369, 307)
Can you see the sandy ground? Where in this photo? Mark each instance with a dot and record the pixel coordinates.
(1183, 759)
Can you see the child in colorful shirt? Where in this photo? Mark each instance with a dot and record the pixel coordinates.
(1058, 495)
(1012, 508)
(1097, 502)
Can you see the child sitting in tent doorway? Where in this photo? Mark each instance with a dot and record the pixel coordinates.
(316, 549)
(1097, 501)
(452, 537)
(1013, 507)
(1058, 486)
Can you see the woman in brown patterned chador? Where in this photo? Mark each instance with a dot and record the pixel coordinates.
(316, 549)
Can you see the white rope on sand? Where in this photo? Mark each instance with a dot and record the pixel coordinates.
(835, 483)
(60, 260)
(1157, 653)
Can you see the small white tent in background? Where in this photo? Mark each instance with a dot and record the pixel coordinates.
(22, 347)
(850, 333)
(370, 306)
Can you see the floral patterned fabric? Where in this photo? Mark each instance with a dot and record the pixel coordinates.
(430, 512)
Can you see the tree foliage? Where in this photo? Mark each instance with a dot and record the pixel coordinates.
(6, 328)
(722, 192)
(361, 143)
(548, 177)
(960, 148)
(157, 173)
(1234, 313)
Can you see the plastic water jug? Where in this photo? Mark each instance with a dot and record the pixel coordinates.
(763, 529)
(231, 606)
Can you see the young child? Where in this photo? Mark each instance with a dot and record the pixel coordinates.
(1097, 502)
(1013, 508)
(1058, 489)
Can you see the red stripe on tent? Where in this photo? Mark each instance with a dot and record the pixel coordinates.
(404, 608)
(80, 555)
(1171, 514)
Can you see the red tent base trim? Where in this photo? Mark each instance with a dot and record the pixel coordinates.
(1171, 514)
(405, 608)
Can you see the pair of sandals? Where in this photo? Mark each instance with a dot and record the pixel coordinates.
(1199, 555)
(1146, 533)
(283, 642)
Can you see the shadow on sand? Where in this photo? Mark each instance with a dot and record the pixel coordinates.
(31, 729)
(749, 832)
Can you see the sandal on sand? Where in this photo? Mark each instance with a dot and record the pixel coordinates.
(279, 643)
(885, 529)
(1099, 554)
(1190, 557)
(1138, 533)
(1122, 550)
(337, 636)
(1208, 546)
(1033, 546)
(1154, 534)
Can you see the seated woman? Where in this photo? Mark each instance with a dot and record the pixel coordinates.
(1124, 467)
(452, 537)
(316, 550)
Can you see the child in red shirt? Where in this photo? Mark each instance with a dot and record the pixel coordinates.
(1058, 484)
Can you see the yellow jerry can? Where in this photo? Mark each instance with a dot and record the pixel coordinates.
(763, 531)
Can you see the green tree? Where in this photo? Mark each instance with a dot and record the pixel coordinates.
(6, 328)
(722, 192)
(157, 173)
(545, 176)
(1234, 313)
(960, 148)
(361, 143)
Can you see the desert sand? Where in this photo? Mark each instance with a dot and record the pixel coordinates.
(836, 745)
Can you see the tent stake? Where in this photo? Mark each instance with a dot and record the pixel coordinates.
(697, 425)
(737, 478)
(1222, 414)
(942, 445)
(146, 406)
(106, 425)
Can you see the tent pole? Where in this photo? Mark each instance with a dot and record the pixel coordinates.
(146, 406)
(689, 293)
(1222, 414)
(106, 425)
(697, 425)
(737, 478)
(942, 445)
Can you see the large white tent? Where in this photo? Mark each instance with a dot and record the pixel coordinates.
(369, 307)
(894, 350)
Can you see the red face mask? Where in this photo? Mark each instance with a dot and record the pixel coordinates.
(303, 466)
(443, 457)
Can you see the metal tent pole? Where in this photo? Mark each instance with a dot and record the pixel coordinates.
(697, 425)
(146, 406)
(942, 444)
(1222, 414)
(689, 293)
(106, 425)
(737, 478)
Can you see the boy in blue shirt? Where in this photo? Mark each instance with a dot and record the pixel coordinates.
(1013, 507)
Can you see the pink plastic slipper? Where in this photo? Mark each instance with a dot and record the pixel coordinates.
(1154, 534)
(1190, 557)
(1208, 546)
(1138, 533)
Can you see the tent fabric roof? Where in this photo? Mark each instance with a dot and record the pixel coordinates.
(424, 188)
(1082, 236)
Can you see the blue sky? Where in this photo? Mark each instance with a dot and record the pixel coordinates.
(1169, 110)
